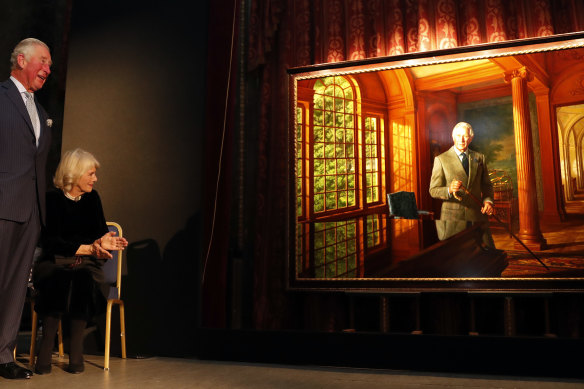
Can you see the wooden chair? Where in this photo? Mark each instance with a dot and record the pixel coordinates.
(113, 276)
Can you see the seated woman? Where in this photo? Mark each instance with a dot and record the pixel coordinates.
(68, 276)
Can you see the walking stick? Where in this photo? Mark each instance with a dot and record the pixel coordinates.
(500, 221)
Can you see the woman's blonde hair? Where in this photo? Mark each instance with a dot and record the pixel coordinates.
(73, 165)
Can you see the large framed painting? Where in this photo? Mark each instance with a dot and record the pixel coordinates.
(363, 137)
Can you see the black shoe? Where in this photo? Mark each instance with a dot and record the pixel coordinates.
(42, 369)
(12, 371)
(74, 368)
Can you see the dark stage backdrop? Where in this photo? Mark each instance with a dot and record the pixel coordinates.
(136, 99)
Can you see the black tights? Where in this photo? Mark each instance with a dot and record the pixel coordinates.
(50, 326)
(76, 346)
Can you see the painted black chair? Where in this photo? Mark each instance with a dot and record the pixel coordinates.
(402, 205)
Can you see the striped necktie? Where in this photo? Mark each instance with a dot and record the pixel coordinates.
(34, 116)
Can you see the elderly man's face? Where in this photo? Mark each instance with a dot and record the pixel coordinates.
(461, 138)
(35, 69)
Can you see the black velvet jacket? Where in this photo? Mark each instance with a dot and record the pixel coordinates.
(71, 223)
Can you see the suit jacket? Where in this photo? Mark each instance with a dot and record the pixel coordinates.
(447, 167)
(22, 163)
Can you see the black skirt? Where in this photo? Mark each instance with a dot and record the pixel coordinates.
(78, 291)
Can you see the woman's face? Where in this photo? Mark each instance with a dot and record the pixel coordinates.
(85, 183)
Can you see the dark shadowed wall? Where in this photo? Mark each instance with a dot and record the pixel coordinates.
(135, 98)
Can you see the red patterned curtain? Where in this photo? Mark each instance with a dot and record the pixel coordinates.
(292, 33)
(323, 31)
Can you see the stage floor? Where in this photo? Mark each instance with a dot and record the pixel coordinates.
(164, 373)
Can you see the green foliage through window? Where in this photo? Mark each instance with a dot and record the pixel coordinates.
(335, 249)
(334, 145)
(339, 169)
(372, 158)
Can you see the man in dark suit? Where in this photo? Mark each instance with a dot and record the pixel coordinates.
(25, 138)
(456, 167)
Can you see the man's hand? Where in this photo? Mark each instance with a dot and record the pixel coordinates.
(488, 208)
(454, 186)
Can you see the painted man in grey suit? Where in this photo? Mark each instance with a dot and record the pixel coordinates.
(25, 138)
(456, 167)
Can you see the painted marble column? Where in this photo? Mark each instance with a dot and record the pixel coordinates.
(553, 209)
(580, 163)
(529, 231)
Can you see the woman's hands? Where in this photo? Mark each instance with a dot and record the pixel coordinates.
(101, 247)
(112, 242)
(98, 251)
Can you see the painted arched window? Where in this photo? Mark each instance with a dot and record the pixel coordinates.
(339, 170)
(334, 145)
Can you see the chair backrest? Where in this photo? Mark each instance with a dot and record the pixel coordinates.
(402, 205)
(112, 268)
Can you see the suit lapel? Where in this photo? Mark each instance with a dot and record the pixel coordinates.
(456, 164)
(45, 129)
(16, 98)
(472, 167)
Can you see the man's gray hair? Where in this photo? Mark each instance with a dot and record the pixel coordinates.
(464, 125)
(24, 47)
